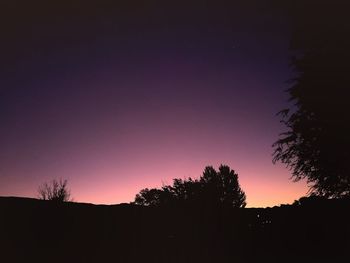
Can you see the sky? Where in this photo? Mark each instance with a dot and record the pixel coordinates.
(117, 96)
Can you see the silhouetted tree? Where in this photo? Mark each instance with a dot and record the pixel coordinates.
(224, 185)
(153, 197)
(312, 200)
(317, 142)
(214, 188)
(55, 191)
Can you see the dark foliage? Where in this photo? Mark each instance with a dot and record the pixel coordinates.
(214, 188)
(56, 191)
(316, 145)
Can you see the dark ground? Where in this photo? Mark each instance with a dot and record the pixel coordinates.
(41, 231)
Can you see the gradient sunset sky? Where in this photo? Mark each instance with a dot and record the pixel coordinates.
(116, 96)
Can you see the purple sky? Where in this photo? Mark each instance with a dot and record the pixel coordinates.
(119, 97)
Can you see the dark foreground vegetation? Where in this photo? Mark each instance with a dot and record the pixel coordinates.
(313, 230)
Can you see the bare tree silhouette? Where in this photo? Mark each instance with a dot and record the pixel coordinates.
(55, 191)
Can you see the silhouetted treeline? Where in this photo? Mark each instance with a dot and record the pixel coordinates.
(312, 230)
(213, 188)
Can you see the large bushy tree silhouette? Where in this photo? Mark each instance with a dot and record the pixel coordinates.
(213, 188)
(316, 145)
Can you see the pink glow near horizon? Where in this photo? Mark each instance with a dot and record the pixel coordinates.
(113, 172)
(264, 187)
(111, 145)
(261, 190)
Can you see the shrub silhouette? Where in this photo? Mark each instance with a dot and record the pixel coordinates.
(55, 191)
(213, 188)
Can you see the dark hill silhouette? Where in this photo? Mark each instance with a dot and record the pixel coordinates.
(42, 231)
